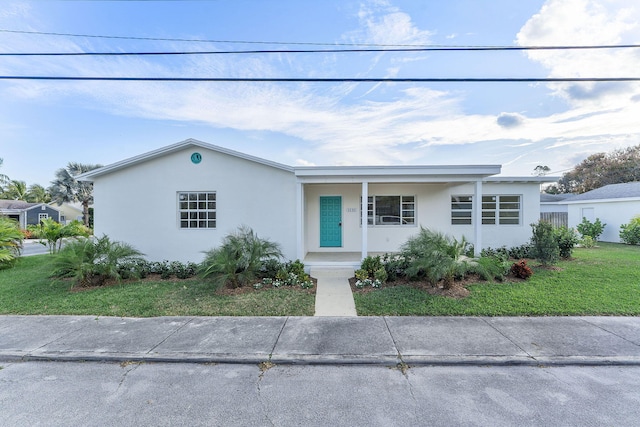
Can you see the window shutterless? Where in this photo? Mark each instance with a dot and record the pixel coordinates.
(197, 209)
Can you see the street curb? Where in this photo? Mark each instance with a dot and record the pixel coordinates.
(325, 360)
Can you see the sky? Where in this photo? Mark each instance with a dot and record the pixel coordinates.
(46, 124)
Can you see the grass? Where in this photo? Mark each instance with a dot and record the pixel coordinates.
(27, 289)
(598, 281)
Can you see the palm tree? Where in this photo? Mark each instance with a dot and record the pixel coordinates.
(66, 189)
(16, 190)
(4, 179)
(10, 242)
(38, 194)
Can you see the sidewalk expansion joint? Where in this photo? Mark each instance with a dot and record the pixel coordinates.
(393, 340)
(170, 335)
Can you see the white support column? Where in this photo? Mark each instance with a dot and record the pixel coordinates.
(364, 218)
(300, 249)
(477, 218)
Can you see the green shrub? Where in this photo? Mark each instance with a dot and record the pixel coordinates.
(395, 265)
(592, 229)
(134, 268)
(380, 275)
(10, 242)
(491, 267)
(516, 252)
(361, 274)
(587, 242)
(183, 270)
(435, 256)
(53, 232)
(545, 245)
(238, 261)
(567, 239)
(33, 231)
(296, 267)
(92, 263)
(371, 264)
(270, 267)
(630, 233)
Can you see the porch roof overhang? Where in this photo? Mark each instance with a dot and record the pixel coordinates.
(379, 174)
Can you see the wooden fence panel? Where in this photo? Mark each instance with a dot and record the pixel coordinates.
(557, 219)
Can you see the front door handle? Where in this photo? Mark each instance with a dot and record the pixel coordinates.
(340, 224)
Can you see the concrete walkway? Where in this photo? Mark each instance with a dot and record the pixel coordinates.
(333, 292)
(325, 340)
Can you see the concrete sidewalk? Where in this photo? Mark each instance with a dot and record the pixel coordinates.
(325, 340)
(333, 294)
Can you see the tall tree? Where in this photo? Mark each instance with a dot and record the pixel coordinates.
(38, 194)
(66, 189)
(16, 190)
(4, 179)
(602, 169)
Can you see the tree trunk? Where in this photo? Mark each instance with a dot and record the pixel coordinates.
(85, 213)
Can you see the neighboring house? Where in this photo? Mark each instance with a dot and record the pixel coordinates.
(185, 198)
(68, 212)
(28, 213)
(553, 209)
(613, 204)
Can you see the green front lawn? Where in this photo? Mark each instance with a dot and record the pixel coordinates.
(598, 281)
(27, 289)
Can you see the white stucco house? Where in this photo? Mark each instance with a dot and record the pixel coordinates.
(178, 201)
(614, 205)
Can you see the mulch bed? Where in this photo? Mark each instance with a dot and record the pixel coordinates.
(249, 289)
(456, 290)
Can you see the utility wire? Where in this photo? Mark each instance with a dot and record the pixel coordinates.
(328, 80)
(416, 49)
(373, 46)
(198, 40)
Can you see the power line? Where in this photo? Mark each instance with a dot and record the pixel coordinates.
(196, 40)
(271, 51)
(327, 80)
(374, 47)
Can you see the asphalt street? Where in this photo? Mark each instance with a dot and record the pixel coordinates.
(183, 394)
(33, 247)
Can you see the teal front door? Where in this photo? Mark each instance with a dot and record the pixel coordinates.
(330, 221)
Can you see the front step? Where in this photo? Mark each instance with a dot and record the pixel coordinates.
(332, 272)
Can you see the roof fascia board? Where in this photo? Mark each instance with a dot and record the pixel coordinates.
(619, 199)
(386, 179)
(39, 205)
(462, 171)
(521, 179)
(87, 176)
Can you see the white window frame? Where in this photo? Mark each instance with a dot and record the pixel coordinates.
(405, 217)
(197, 210)
(42, 216)
(495, 210)
(463, 205)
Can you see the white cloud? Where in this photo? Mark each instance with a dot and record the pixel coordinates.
(586, 22)
(380, 123)
(382, 23)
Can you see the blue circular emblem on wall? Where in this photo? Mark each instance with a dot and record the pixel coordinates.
(196, 158)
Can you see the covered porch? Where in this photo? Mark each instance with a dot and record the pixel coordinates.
(421, 194)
